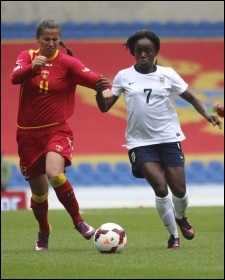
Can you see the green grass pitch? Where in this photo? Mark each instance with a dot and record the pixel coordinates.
(70, 256)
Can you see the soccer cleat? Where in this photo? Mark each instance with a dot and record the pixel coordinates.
(173, 243)
(186, 228)
(42, 241)
(84, 229)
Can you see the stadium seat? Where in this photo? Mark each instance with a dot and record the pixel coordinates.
(102, 29)
(120, 179)
(214, 178)
(215, 172)
(69, 26)
(84, 180)
(136, 26)
(85, 167)
(69, 30)
(31, 29)
(216, 166)
(120, 29)
(19, 29)
(70, 169)
(102, 179)
(84, 174)
(32, 25)
(122, 172)
(195, 173)
(154, 26)
(70, 174)
(17, 179)
(85, 29)
(5, 30)
(123, 167)
(104, 167)
(197, 166)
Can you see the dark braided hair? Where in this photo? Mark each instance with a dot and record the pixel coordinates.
(67, 50)
(131, 41)
(51, 23)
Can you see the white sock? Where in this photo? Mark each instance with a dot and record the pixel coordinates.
(165, 209)
(180, 205)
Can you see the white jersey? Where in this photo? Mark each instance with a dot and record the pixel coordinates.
(151, 118)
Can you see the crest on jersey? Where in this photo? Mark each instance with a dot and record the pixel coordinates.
(24, 171)
(44, 74)
(58, 148)
(161, 80)
(85, 69)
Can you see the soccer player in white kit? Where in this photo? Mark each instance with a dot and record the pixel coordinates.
(153, 131)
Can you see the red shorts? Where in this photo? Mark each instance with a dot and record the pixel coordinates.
(34, 144)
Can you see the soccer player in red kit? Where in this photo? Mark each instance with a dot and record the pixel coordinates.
(48, 80)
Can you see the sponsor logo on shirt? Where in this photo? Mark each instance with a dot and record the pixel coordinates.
(17, 67)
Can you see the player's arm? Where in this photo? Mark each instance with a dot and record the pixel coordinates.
(23, 69)
(200, 107)
(105, 100)
(104, 96)
(107, 97)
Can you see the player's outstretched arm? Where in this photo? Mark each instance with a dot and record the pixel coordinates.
(105, 100)
(200, 108)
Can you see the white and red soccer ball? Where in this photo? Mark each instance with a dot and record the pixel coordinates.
(110, 238)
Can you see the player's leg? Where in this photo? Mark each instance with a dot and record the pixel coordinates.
(39, 205)
(176, 181)
(55, 164)
(32, 165)
(153, 173)
(173, 161)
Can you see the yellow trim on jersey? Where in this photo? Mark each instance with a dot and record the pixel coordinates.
(34, 53)
(36, 127)
(53, 57)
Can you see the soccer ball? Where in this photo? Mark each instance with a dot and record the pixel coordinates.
(110, 238)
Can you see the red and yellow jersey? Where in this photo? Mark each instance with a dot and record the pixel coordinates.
(48, 95)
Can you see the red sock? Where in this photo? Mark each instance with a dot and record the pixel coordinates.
(40, 211)
(67, 197)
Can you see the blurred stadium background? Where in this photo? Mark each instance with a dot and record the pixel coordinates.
(192, 42)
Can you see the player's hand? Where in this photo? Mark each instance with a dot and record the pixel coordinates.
(107, 94)
(38, 62)
(219, 109)
(214, 120)
(102, 84)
